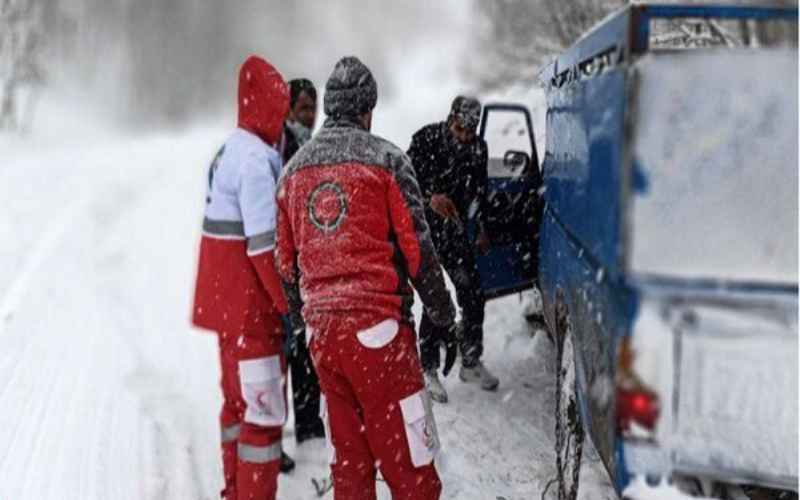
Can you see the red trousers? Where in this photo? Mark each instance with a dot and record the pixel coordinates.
(376, 411)
(253, 413)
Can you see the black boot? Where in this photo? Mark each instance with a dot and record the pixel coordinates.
(306, 432)
(287, 464)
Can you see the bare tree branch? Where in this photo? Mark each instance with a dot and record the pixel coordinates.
(521, 35)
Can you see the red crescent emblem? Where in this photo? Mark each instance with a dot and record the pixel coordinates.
(260, 398)
(327, 207)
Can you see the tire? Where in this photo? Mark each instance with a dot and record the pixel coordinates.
(569, 425)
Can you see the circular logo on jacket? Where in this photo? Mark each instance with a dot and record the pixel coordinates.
(327, 207)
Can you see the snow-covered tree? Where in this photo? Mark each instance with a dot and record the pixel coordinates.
(172, 61)
(515, 37)
(21, 68)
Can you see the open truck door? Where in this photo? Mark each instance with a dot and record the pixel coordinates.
(514, 206)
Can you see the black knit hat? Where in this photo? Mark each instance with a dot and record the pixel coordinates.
(351, 90)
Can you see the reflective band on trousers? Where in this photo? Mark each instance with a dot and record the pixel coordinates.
(230, 433)
(259, 454)
(223, 227)
(260, 242)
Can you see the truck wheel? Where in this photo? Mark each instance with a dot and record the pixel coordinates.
(569, 427)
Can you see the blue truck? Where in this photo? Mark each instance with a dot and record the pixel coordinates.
(662, 229)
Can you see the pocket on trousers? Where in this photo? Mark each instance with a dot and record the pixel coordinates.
(323, 415)
(423, 439)
(262, 390)
(379, 335)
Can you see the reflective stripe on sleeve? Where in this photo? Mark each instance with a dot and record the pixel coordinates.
(259, 454)
(230, 433)
(223, 227)
(260, 242)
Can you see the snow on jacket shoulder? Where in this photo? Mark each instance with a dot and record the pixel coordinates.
(352, 231)
(237, 287)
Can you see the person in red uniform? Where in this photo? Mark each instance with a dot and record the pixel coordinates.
(351, 234)
(238, 292)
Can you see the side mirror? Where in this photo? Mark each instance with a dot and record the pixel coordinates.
(516, 161)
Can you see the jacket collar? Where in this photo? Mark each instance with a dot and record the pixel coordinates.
(342, 122)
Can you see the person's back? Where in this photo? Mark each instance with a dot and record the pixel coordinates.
(238, 225)
(236, 283)
(338, 186)
(351, 233)
(357, 221)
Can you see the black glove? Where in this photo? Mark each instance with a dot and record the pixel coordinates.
(449, 341)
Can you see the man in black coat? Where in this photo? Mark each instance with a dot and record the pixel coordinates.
(302, 115)
(305, 384)
(451, 166)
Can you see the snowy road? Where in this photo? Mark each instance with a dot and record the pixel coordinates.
(107, 392)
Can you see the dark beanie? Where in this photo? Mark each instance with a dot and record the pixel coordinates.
(351, 90)
(466, 110)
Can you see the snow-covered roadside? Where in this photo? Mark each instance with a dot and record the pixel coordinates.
(95, 363)
(105, 390)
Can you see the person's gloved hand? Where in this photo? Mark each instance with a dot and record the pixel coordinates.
(444, 206)
(449, 341)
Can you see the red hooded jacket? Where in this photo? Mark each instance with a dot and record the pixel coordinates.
(352, 233)
(263, 100)
(237, 289)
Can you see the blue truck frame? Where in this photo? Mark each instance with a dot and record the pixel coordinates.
(588, 177)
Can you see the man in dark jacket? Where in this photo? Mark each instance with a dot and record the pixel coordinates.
(302, 116)
(451, 167)
(351, 235)
(305, 384)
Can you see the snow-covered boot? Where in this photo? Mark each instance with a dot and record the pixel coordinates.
(479, 374)
(435, 387)
(532, 307)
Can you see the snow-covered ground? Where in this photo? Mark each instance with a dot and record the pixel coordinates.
(105, 389)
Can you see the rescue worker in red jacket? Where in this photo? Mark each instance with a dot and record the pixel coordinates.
(238, 292)
(351, 233)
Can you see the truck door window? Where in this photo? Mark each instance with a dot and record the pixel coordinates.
(509, 140)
